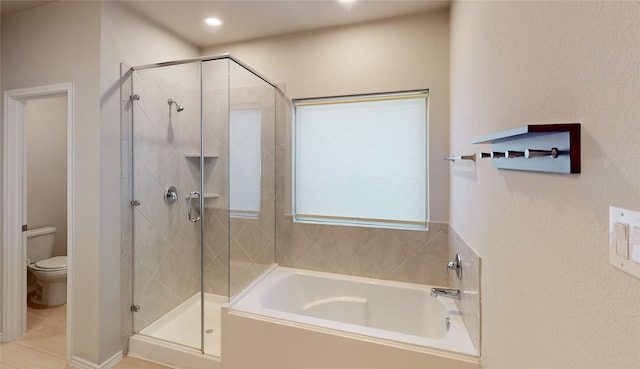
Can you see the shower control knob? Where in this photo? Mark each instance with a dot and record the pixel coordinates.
(455, 265)
(170, 195)
(135, 308)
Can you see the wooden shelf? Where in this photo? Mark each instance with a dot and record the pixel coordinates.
(564, 137)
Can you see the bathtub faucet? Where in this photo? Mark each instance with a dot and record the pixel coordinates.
(446, 292)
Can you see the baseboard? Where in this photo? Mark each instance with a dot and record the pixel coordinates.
(79, 363)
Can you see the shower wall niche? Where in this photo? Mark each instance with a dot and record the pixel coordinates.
(206, 127)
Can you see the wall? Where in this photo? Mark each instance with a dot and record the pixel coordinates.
(84, 43)
(549, 297)
(402, 53)
(1, 169)
(54, 43)
(47, 167)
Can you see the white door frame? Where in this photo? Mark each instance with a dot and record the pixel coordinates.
(14, 281)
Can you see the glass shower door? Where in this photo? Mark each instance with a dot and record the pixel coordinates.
(166, 235)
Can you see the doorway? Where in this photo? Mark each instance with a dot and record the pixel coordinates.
(19, 105)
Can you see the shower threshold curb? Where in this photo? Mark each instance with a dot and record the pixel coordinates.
(168, 354)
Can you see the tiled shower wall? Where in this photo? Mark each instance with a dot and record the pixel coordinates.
(470, 303)
(401, 255)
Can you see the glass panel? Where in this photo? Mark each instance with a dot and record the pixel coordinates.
(215, 116)
(251, 177)
(166, 266)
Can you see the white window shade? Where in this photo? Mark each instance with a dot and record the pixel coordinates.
(362, 160)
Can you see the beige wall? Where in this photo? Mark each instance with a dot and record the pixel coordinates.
(401, 53)
(549, 297)
(404, 53)
(84, 43)
(47, 167)
(54, 43)
(1, 167)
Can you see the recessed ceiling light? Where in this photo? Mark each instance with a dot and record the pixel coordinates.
(346, 1)
(213, 22)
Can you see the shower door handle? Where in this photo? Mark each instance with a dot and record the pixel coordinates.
(192, 195)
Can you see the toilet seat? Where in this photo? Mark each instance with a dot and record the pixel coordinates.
(52, 264)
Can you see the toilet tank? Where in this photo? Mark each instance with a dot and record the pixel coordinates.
(40, 243)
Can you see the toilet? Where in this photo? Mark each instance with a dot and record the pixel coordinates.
(48, 273)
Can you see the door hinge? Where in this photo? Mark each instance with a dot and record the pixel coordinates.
(135, 203)
(24, 228)
(135, 308)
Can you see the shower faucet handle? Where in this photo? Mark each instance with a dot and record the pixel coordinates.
(193, 195)
(170, 195)
(455, 265)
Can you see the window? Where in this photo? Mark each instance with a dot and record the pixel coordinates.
(362, 160)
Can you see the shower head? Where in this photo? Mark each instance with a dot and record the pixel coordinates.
(179, 107)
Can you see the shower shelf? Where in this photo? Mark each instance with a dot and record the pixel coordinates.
(563, 140)
(196, 155)
(207, 195)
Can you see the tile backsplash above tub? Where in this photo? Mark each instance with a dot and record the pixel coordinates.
(470, 303)
(400, 255)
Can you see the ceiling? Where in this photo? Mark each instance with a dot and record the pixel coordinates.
(251, 19)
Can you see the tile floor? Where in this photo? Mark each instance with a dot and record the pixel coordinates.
(43, 347)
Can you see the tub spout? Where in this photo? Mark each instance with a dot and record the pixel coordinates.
(446, 292)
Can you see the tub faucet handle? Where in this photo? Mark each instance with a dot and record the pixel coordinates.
(455, 265)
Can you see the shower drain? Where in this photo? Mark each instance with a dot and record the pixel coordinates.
(209, 330)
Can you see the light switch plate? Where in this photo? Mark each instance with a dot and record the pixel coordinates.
(624, 240)
(635, 245)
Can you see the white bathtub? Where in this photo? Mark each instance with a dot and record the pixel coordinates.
(390, 313)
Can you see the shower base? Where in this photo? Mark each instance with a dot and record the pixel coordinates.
(174, 339)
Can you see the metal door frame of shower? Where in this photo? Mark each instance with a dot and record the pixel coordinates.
(199, 60)
(203, 59)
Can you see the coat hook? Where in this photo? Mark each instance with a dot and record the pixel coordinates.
(513, 154)
(461, 157)
(533, 153)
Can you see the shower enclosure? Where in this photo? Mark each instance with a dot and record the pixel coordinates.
(202, 179)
